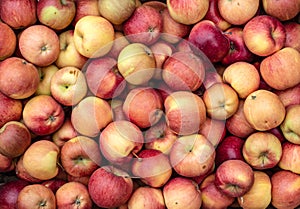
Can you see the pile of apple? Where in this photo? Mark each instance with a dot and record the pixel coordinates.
(178, 104)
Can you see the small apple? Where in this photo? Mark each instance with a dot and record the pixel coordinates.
(10, 109)
(290, 157)
(289, 96)
(64, 133)
(283, 10)
(8, 41)
(290, 125)
(45, 74)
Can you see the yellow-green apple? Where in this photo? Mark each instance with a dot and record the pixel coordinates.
(19, 79)
(86, 33)
(41, 159)
(237, 124)
(22, 173)
(188, 12)
(238, 50)
(211, 196)
(80, 156)
(64, 133)
(73, 195)
(221, 101)
(91, 115)
(45, 74)
(54, 184)
(144, 25)
(183, 71)
(290, 157)
(110, 187)
(136, 63)
(262, 150)
(283, 10)
(238, 12)
(258, 116)
(118, 133)
(292, 30)
(210, 39)
(39, 45)
(146, 197)
(180, 107)
(192, 155)
(85, 8)
(243, 77)
(18, 14)
(234, 177)
(8, 41)
(264, 35)
(143, 106)
(68, 86)
(120, 41)
(279, 70)
(43, 115)
(289, 96)
(103, 78)
(285, 189)
(10, 109)
(259, 196)
(182, 192)
(56, 14)
(39, 195)
(15, 138)
(68, 55)
(290, 126)
(116, 11)
(213, 14)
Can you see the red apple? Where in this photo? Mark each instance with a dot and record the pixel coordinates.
(8, 41)
(283, 9)
(290, 157)
(10, 109)
(290, 125)
(85, 8)
(54, 184)
(292, 30)
(289, 96)
(7, 164)
(64, 133)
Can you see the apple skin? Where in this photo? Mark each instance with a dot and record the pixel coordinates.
(10, 109)
(188, 12)
(64, 133)
(56, 14)
(258, 38)
(18, 14)
(54, 184)
(181, 192)
(289, 96)
(23, 174)
(283, 10)
(19, 79)
(40, 196)
(43, 115)
(207, 37)
(7, 164)
(290, 125)
(73, 195)
(39, 45)
(279, 70)
(211, 77)
(45, 74)
(8, 41)
(292, 30)
(85, 8)
(110, 187)
(290, 157)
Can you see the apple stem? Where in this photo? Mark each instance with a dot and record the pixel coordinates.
(135, 155)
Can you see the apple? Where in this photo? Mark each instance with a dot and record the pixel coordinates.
(285, 189)
(158, 5)
(120, 41)
(80, 156)
(211, 77)
(64, 133)
(290, 155)
(56, 14)
(146, 197)
(136, 63)
(110, 187)
(22, 173)
(292, 30)
(262, 150)
(86, 33)
(39, 195)
(68, 55)
(45, 74)
(234, 177)
(10, 109)
(188, 12)
(118, 133)
(85, 8)
(68, 86)
(19, 79)
(221, 101)
(18, 14)
(91, 115)
(289, 96)
(264, 35)
(117, 108)
(238, 12)
(39, 45)
(8, 41)
(43, 115)
(290, 125)
(82, 179)
(15, 138)
(279, 70)
(183, 71)
(260, 118)
(7, 164)
(181, 192)
(73, 195)
(259, 196)
(54, 184)
(275, 9)
(116, 11)
(180, 107)
(103, 78)
(207, 37)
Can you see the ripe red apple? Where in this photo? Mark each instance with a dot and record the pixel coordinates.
(64, 133)
(110, 187)
(283, 9)
(289, 96)
(292, 30)
(85, 8)
(290, 157)
(10, 109)
(54, 184)
(290, 125)
(7, 164)
(8, 41)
